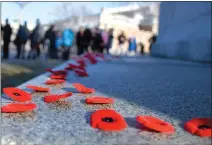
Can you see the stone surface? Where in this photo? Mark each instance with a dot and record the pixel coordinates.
(174, 91)
(184, 31)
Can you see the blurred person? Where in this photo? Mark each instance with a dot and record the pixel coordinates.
(67, 38)
(2, 30)
(105, 38)
(121, 41)
(132, 44)
(87, 38)
(142, 48)
(110, 40)
(50, 38)
(80, 41)
(21, 39)
(59, 43)
(36, 38)
(97, 41)
(6, 38)
(152, 40)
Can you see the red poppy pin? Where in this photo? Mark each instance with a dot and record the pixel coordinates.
(81, 72)
(63, 77)
(81, 62)
(38, 88)
(73, 66)
(199, 126)
(82, 89)
(54, 98)
(17, 94)
(54, 81)
(99, 100)
(107, 120)
(155, 124)
(17, 107)
(57, 72)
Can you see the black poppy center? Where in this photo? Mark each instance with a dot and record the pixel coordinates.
(108, 119)
(204, 127)
(16, 94)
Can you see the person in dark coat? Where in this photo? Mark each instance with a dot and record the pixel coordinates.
(87, 38)
(51, 36)
(6, 38)
(36, 38)
(142, 48)
(21, 39)
(80, 41)
(97, 42)
(121, 40)
(110, 40)
(152, 40)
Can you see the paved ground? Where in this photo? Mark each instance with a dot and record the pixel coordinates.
(175, 91)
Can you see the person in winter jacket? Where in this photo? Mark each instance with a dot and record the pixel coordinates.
(132, 44)
(21, 39)
(87, 38)
(97, 42)
(80, 41)
(36, 38)
(67, 38)
(51, 37)
(6, 37)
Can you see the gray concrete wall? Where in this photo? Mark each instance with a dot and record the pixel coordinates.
(184, 31)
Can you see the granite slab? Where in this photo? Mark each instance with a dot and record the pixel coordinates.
(174, 91)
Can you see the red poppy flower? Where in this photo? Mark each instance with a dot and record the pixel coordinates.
(107, 120)
(155, 124)
(99, 100)
(57, 72)
(91, 58)
(38, 88)
(81, 72)
(82, 89)
(199, 126)
(58, 77)
(54, 98)
(56, 81)
(81, 62)
(17, 94)
(16, 107)
(73, 66)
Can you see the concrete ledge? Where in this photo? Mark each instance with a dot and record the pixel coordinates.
(197, 50)
(173, 91)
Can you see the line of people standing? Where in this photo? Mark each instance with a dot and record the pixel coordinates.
(38, 39)
(97, 40)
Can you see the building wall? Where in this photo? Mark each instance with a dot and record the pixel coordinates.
(184, 31)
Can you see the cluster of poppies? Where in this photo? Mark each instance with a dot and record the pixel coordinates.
(105, 119)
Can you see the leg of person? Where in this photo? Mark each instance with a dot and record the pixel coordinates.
(78, 50)
(18, 51)
(81, 49)
(6, 49)
(66, 53)
(85, 49)
(38, 49)
(23, 51)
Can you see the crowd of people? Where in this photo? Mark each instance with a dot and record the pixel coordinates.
(59, 43)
